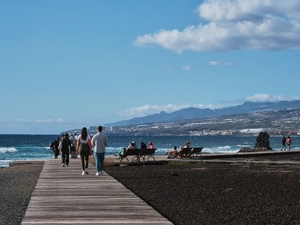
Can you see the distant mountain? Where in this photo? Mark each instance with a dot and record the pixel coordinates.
(195, 113)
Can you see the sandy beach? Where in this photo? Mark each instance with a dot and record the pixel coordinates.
(186, 193)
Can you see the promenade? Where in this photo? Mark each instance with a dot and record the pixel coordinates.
(64, 196)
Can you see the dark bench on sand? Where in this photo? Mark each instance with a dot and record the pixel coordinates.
(138, 154)
(189, 152)
(183, 153)
(196, 152)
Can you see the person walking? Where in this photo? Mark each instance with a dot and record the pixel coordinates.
(283, 143)
(55, 148)
(99, 142)
(84, 149)
(65, 150)
(73, 146)
(289, 142)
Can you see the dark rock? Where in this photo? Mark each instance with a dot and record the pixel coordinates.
(262, 142)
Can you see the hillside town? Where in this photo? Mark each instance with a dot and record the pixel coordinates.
(275, 122)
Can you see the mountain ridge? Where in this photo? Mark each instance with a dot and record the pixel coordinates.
(196, 113)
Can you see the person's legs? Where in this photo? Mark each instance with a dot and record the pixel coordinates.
(67, 158)
(87, 154)
(97, 158)
(101, 159)
(82, 159)
(63, 156)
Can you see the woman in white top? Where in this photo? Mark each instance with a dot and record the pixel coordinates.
(85, 150)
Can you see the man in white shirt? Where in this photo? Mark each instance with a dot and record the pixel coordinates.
(99, 142)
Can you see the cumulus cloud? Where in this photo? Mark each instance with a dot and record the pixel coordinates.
(234, 24)
(152, 109)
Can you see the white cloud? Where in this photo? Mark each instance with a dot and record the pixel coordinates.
(186, 67)
(234, 24)
(268, 98)
(38, 121)
(216, 63)
(149, 110)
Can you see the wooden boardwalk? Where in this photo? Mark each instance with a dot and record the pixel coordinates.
(63, 196)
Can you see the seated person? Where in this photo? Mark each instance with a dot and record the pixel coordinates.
(143, 145)
(172, 153)
(187, 145)
(131, 145)
(150, 145)
(123, 150)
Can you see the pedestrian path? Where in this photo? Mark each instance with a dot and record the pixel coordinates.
(64, 196)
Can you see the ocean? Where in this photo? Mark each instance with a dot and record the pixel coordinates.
(36, 147)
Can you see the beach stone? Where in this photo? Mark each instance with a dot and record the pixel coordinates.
(262, 142)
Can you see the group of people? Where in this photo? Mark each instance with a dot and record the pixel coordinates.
(132, 145)
(177, 154)
(85, 145)
(286, 141)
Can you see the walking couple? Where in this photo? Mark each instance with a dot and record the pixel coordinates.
(85, 144)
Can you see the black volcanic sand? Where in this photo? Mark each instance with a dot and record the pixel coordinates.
(218, 193)
(186, 193)
(17, 184)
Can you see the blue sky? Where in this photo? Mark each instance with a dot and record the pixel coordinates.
(68, 64)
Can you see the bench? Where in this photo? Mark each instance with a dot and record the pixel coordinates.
(183, 153)
(149, 153)
(195, 152)
(138, 154)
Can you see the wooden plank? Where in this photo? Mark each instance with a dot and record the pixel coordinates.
(64, 196)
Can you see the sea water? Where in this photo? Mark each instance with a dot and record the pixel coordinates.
(36, 147)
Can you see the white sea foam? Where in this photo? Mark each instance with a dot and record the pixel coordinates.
(5, 163)
(219, 150)
(243, 146)
(6, 150)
